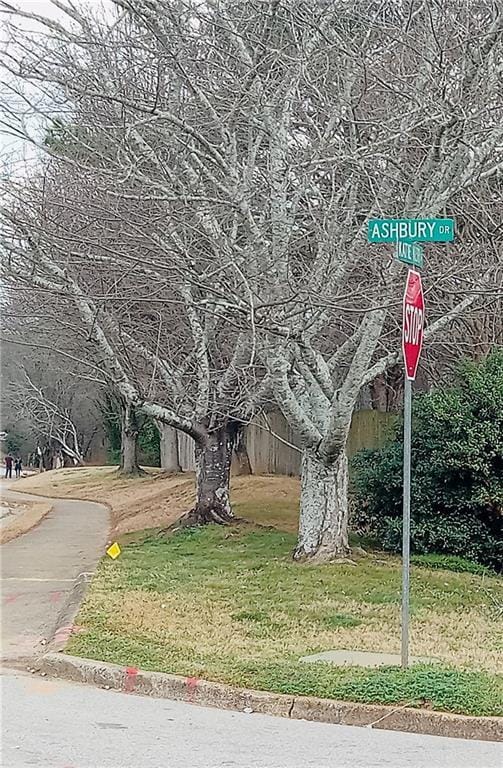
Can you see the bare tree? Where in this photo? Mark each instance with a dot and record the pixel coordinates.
(50, 401)
(168, 442)
(52, 419)
(131, 344)
(242, 184)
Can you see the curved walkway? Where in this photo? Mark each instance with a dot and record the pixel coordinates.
(40, 568)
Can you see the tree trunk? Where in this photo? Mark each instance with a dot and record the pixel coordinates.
(168, 442)
(129, 442)
(387, 390)
(213, 465)
(240, 460)
(46, 458)
(323, 524)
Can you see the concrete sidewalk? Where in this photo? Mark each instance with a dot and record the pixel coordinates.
(39, 570)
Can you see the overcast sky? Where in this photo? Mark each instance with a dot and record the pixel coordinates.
(14, 153)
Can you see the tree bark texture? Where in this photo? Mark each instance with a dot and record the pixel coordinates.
(170, 458)
(213, 465)
(387, 390)
(46, 458)
(129, 441)
(240, 460)
(323, 524)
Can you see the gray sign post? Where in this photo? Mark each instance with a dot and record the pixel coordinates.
(407, 434)
(406, 233)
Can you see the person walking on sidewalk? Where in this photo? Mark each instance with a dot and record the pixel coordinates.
(8, 465)
(18, 466)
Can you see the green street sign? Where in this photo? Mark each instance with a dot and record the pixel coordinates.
(410, 230)
(409, 253)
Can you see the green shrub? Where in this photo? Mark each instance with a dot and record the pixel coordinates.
(457, 471)
(114, 456)
(149, 444)
(149, 447)
(15, 443)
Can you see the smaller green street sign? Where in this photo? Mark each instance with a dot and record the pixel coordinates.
(410, 230)
(409, 253)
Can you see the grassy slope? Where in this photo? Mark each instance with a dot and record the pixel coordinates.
(229, 604)
(154, 499)
(157, 500)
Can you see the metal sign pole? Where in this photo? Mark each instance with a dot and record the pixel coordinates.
(407, 430)
(407, 233)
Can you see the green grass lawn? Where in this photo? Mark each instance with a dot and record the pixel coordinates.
(228, 604)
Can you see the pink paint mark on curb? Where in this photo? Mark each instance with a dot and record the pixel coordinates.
(191, 683)
(63, 634)
(130, 681)
(55, 597)
(11, 598)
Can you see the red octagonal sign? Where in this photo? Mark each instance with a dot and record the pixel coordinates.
(413, 323)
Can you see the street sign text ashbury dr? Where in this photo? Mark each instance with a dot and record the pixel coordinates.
(413, 323)
(410, 230)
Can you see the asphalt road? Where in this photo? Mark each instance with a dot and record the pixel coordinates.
(39, 569)
(56, 724)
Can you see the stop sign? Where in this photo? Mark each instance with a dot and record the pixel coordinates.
(413, 323)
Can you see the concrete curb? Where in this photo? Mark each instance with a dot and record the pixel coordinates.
(203, 692)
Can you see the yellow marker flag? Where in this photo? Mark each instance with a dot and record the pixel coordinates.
(114, 550)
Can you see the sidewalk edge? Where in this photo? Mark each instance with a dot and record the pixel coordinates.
(64, 626)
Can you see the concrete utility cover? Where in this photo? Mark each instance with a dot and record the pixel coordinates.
(362, 659)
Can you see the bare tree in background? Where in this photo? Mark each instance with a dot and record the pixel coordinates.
(52, 403)
(150, 340)
(51, 418)
(244, 179)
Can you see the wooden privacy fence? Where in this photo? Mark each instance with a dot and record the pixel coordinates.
(269, 439)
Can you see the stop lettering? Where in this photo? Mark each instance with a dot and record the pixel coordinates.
(413, 323)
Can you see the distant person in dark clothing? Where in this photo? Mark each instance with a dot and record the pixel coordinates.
(8, 465)
(18, 466)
